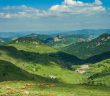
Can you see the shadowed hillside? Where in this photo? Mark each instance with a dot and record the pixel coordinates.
(47, 64)
(98, 58)
(64, 59)
(10, 72)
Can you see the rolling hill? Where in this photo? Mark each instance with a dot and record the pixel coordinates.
(10, 72)
(99, 73)
(40, 59)
(85, 50)
(61, 41)
(58, 40)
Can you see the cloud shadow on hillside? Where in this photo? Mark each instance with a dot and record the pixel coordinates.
(10, 72)
(60, 58)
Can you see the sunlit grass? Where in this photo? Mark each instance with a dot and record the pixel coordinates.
(20, 88)
(37, 48)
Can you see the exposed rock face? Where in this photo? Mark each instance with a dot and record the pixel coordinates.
(26, 40)
(58, 38)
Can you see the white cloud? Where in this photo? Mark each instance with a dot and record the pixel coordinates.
(73, 2)
(98, 2)
(67, 7)
(60, 8)
(77, 7)
(21, 11)
(7, 15)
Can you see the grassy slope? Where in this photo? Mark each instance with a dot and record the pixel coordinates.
(100, 73)
(37, 48)
(9, 71)
(85, 50)
(42, 65)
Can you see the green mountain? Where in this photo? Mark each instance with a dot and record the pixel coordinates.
(85, 50)
(58, 40)
(99, 73)
(61, 41)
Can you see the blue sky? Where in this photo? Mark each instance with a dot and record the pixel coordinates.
(42, 3)
(34, 15)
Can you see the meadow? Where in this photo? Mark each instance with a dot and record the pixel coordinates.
(32, 70)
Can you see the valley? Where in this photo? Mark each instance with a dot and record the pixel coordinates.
(55, 65)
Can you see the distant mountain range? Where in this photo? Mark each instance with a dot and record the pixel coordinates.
(55, 39)
(86, 32)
